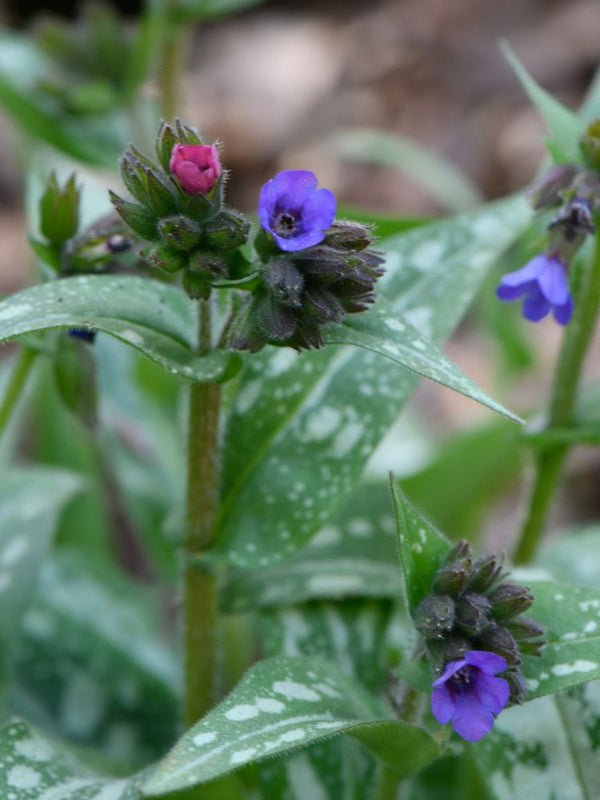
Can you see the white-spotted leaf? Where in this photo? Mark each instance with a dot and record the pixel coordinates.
(281, 705)
(385, 332)
(30, 503)
(155, 318)
(302, 427)
(571, 616)
(421, 548)
(33, 767)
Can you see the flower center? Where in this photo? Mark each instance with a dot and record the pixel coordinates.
(286, 223)
(462, 679)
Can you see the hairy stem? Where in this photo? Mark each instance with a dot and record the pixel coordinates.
(174, 49)
(549, 461)
(16, 384)
(200, 581)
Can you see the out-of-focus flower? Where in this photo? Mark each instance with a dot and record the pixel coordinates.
(544, 284)
(294, 211)
(196, 166)
(468, 694)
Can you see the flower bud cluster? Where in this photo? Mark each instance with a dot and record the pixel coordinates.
(179, 210)
(472, 608)
(302, 290)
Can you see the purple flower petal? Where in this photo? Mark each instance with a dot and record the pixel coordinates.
(562, 314)
(490, 663)
(451, 668)
(543, 282)
(553, 282)
(492, 693)
(442, 704)
(535, 306)
(294, 211)
(471, 720)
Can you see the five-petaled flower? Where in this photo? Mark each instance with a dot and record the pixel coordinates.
(196, 166)
(544, 283)
(294, 211)
(468, 694)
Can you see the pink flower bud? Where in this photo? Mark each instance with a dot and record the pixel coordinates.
(196, 166)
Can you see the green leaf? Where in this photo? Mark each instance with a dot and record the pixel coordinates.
(422, 549)
(30, 503)
(280, 705)
(302, 427)
(353, 556)
(352, 635)
(385, 332)
(564, 125)
(562, 556)
(546, 749)
(155, 318)
(92, 665)
(210, 9)
(445, 182)
(91, 143)
(33, 767)
(571, 616)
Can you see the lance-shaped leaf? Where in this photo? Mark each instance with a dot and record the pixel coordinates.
(571, 616)
(353, 556)
(302, 427)
(30, 503)
(33, 767)
(92, 665)
(422, 549)
(564, 125)
(385, 332)
(280, 705)
(155, 318)
(547, 749)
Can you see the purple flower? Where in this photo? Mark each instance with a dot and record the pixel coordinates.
(294, 211)
(544, 283)
(196, 166)
(468, 694)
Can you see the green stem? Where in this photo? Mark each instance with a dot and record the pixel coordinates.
(200, 580)
(174, 49)
(389, 783)
(16, 384)
(549, 462)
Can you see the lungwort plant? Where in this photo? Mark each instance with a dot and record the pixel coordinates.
(203, 592)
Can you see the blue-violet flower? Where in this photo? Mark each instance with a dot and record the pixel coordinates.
(468, 694)
(544, 283)
(294, 211)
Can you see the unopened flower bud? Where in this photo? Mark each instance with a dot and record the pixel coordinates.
(498, 639)
(525, 628)
(509, 600)
(348, 236)
(516, 681)
(180, 232)
(59, 211)
(434, 616)
(532, 648)
(472, 613)
(486, 571)
(461, 550)
(164, 257)
(453, 578)
(228, 230)
(197, 167)
(285, 282)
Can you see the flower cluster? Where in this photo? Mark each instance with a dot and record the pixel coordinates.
(314, 270)
(473, 627)
(180, 210)
(543, 281)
